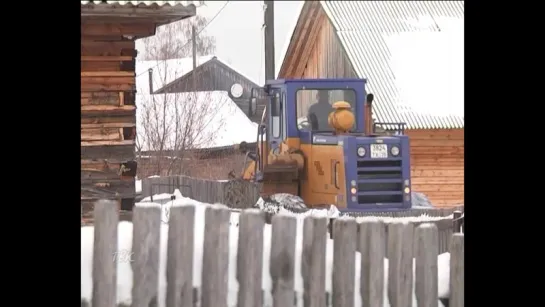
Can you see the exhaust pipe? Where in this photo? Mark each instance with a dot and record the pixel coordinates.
(368, 129)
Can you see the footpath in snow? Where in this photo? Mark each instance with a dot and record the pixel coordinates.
(124, 271)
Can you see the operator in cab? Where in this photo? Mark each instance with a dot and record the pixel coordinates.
(319, 112)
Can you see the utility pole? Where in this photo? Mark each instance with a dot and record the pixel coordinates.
(194, 51)
(269, 40)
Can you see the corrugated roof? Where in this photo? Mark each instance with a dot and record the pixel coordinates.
(368, 30)
(167, 71)
(164, 71)
(159, 3)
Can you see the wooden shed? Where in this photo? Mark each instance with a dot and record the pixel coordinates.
(347, 39)
(108, 121)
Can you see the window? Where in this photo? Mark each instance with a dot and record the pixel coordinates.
(314, 106)
(276, 115)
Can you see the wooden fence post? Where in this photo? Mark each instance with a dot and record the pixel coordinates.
(146, 238)
(344, 260)
(456, 221)
(105, 254)
(457, 270)
(427, 241)
(282, 261)
(250, 258)
(400, 263)
(215, 267)
(372, 241)
(313, 261)
(180, 256)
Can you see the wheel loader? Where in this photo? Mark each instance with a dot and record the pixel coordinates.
(317, 140)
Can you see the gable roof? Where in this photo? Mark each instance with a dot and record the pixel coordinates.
(410, 52)
(165, 72)
(200, 119)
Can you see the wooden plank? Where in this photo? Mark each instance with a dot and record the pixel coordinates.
(121, 98)
(101, 119)
(440, 150)
(104, 249)
(429, 172)
(457, 270)
(215, 257)
(120, 152)
(436, 143)
(372, 241)
(107, 110)
(108, 74)
(400, 264)
(250, 258)
(108, 125)
(180, 256)
(441, 188)
(96, 48)
(107, 143)
(314, 260)
(106, 58)
(282, 259)
(134, 29)
(100, 66)
(438, 181)
(108, 80)
(100, 98)
(145, 247)
(101, 134)
(426, 278)
(344, 261)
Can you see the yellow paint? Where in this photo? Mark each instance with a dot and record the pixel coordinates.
(342, 118)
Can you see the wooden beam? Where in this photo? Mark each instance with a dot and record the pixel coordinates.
(93, 47)
(101, 134)
(107, 108)
(131, 29)
(108, 125)
(117, 84)
(108, 74)
(102, 119)
(107, 58)
(107, 143)
(100, 98)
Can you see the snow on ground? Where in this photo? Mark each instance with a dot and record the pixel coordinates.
(124, 271)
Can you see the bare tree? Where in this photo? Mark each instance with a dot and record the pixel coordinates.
(174, 40)
(174, 129)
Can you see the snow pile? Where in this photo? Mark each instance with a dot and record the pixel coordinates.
(124, 271)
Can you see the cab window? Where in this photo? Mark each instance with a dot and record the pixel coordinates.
(314, 106)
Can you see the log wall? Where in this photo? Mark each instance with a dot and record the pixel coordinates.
(108, 111)
(437, 165)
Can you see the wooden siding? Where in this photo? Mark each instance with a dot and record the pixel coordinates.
(108, 111)
(437, 165)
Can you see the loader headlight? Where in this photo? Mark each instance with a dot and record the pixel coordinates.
(394, 150)
(361, 151)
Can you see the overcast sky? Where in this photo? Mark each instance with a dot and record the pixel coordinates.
(239, 35)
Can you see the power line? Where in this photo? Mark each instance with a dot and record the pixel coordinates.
(198, 33)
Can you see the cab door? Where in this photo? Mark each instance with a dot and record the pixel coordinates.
(276, 118)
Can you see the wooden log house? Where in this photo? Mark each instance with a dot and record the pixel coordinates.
(108, 112)
(345, 39)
